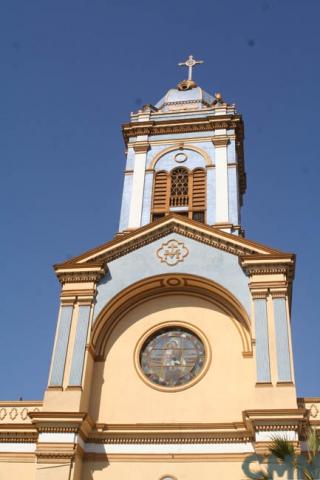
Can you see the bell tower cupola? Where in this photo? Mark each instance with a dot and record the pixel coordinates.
(184, 156)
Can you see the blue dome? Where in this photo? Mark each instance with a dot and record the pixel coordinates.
(192, 99)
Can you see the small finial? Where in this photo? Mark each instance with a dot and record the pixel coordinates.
(190, 63)
(218, 100)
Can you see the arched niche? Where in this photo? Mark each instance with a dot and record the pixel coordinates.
(166, 285)
(196, 158)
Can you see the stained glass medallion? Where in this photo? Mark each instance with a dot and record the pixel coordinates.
(172, 357)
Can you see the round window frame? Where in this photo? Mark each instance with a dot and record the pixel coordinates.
(172, 324)
(166, 477)
(179, 154)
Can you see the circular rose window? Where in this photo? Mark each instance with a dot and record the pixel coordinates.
(172, 357)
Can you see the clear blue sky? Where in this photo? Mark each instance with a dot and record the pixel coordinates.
(72, 70)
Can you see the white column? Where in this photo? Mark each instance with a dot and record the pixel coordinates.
(141, 149)
(221, 162)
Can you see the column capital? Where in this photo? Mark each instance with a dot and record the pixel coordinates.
(141, 147)
(278, 292)
(258, 294)
(80, 273)
(220, 141)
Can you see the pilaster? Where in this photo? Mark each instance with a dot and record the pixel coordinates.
(71, 359)
(60, 445)
(141, 147)
(220, 141)
(270, 284)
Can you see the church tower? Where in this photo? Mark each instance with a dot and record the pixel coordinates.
(173, 356)
(184, 156)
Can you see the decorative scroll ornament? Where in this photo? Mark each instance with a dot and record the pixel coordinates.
(314, 411)
(172, 252)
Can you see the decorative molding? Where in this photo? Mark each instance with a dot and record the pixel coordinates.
(18, 437)
(172, 252)
(266, 269)
(80, 276)
(184, 230)
(17, 457)
(174, 438)
(166, 285)
(314, 411)
(227, 122)
(276, 426)
(14, 413)
(180, 146)
(210, 235)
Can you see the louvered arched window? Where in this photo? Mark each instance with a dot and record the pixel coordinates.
(160, 195)
(180, 191)
(199, 195)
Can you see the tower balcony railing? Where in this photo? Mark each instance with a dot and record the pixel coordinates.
(179, 200)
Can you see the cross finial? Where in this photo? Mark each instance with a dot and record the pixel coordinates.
(190, 63)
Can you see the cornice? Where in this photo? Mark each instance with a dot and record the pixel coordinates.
(228, 122)
(18, 437)
(80, 274)
(179, 229)
(270, 265)
(277, 419)
(184, 230)
(220, 141)
(172, 438)
(211, 235)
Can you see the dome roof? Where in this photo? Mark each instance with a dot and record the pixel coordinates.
(189, 99)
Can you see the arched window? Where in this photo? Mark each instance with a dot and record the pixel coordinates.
(180, 191)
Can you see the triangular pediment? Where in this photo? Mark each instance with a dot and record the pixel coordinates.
(124, 243)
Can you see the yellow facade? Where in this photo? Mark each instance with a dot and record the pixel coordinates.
(104, 415)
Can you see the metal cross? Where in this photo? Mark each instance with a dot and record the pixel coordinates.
(190, 63)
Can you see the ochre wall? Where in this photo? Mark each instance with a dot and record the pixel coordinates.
(119, 395)
(180, 470)
(15, 470)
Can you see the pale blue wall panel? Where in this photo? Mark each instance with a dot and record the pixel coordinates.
(282, 340)
(126, 201)
(202, 260)
(130, 159)
(60, 350)
(232, 152)
(79, 346)
(233, 206)
(167, 161)
(262, 341)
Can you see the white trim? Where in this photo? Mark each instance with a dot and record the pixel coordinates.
(135, 211)
(17, 447)
(267, 436)
(222, 204)
(164, 448)
(57, 437)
